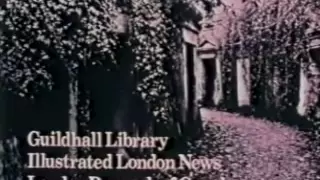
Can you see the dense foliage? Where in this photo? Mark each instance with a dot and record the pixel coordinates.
(37, 33)
(150, 41)
(275, 36)
(156, 41)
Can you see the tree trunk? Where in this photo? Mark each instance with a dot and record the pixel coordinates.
(229, 82)
(2, 132)
(130, 111)
(268, 85)
(73, 103)
(3, 119)
(276, 85)
(120, 120)
(10, 155)
(279, 86)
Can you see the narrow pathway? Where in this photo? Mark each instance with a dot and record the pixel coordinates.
(260, 149)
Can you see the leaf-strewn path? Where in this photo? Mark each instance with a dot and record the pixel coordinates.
(261, 150)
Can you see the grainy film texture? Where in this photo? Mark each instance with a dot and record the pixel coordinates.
(233, 80)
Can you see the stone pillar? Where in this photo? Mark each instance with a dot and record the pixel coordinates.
(309, 90)
(243, 82)
(185, 85)
(191, 121)
(200, 75)
(303, 90)
(218, 86)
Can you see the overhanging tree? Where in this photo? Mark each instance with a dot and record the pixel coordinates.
(37, 34)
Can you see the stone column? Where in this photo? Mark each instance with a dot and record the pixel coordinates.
(309, 90)
(243, 82)
(303, 90)
(218, 87)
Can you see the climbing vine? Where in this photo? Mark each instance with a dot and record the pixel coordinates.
(273, 37)
(35, 34)
(149, 43)
(156, 41)
(276, 38)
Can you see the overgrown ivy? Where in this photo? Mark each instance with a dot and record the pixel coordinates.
(156, 40)
(275, 38)
(149, 41)
(37, 33)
